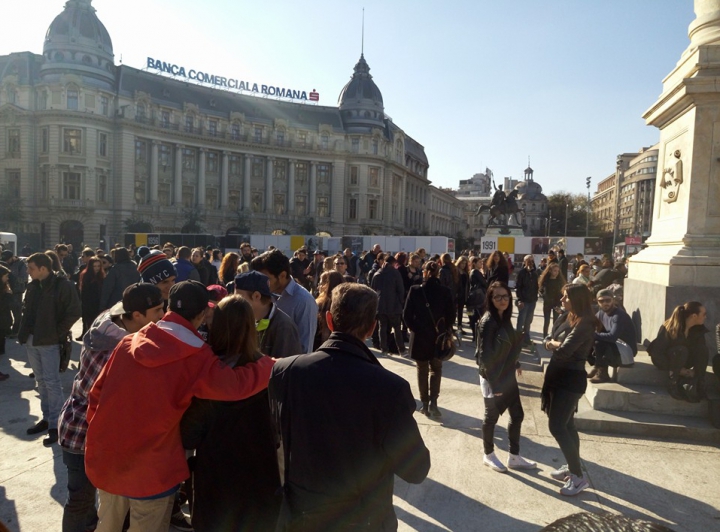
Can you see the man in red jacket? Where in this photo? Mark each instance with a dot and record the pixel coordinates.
(133, 451)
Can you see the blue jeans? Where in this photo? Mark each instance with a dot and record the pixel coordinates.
(45, 363)
(79, 513)
(525, 317)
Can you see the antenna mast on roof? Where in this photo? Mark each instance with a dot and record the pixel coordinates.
(362, 41)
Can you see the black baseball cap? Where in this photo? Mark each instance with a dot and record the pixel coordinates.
(138, 297)
(189, 296)
(253, 282)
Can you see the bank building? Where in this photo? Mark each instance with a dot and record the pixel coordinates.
(93, 148)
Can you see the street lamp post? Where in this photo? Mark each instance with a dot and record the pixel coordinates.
(549, 221)
(567, 207)
(587, 214)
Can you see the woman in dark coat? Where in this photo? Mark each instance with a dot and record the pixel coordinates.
(235, 472)
(680, 349)
(6, 303)
(91, 283)
(573, 337)
(422, 321)
(463, 288)
(476, 294)
(550, 285)
(496, 269)
(497, 356)
(121, 275)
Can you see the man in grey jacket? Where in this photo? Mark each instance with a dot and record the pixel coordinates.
(389, 285)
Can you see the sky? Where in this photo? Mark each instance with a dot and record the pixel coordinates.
(479, 83)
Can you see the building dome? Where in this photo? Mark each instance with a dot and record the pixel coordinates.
(530, 190)
(360, 101)
(78, 42)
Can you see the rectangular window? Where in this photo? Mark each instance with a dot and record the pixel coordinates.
(72, 141)
(234, 200)
(14, 143)
(256, 200)
(355, 145)
(165, 118)
(211, 198)
(258, 134)
(140, 114)
(374, 173)
(324, 142)
(353, 175)
(188, 196)
(235, 165)
(302, 139)
(140, 151)
(375, 147)
(164, 193)
(44, 140)
(279, 204)
(372, 209)
(189, 124)
(235, 132)
(212, 128)
(43, 185)
(102, 189)
(102, 144)
(212, 162)
(257, 167)
(280, 138)
(72, 100)
(12, 95)
(188, 159)
(279, 168)
(301, 172)
(71, 185)
(42, 100)
(352, 209)
(13, 183)
(104, 105)
(164, 158)
(301, 205)
(140, 191)
(323, 206)
(323, 173)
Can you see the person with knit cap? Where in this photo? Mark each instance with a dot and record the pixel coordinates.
(155, 268)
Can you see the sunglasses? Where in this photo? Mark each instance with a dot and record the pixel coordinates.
(501, 298)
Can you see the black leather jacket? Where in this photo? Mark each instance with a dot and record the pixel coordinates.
(498, 350)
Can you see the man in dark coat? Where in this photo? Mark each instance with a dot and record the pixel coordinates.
(122, 274)
(52, 306)
(526, 290)
(389, 285)
(341, 474)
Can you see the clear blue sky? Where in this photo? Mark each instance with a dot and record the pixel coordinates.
(477, 82)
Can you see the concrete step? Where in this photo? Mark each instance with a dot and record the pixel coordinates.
(657, 426)
(641, 398)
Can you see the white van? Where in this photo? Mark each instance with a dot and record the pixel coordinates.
(9, 241)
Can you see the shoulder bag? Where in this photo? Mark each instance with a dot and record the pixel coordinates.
(444, 342)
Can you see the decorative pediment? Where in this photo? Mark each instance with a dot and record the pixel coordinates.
(237, 117)
(191, 108)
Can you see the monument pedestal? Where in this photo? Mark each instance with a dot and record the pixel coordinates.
(682, 260)
(504, 230)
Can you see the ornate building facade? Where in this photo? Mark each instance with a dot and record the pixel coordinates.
(91, 147)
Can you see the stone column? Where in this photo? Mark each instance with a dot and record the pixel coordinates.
(201, 178)
(291, 187)
(403, 191)
(313, 188)
(224, 189)
(177, 184)
(269, 175)
(246, 182)
(682, 260)
(154, 172)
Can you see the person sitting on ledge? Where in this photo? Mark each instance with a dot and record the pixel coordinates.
(680, 349)
(618, 334)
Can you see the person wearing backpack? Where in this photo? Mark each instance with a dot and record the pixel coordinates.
(18, 283)
(52, 306)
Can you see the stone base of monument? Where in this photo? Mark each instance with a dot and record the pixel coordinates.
(504, 230)
(639, 404)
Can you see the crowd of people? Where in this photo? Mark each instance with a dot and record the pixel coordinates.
(256, 351)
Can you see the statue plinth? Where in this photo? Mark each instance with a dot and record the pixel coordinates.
(682, 260)
(504, 230)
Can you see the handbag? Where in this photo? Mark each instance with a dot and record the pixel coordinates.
(444, 342)
(65, 351)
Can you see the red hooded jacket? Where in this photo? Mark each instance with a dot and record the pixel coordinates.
(133, 445)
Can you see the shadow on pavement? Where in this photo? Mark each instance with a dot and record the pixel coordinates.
(8, 511)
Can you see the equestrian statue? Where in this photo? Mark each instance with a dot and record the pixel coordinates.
(502, 204)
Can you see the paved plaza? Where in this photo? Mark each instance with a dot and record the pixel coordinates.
(673, 483)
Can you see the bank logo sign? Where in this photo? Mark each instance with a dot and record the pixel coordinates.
(221, 82)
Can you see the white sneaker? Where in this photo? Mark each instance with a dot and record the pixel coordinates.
(561, 473)
(494, 463)
(574, 485)
(515, 461)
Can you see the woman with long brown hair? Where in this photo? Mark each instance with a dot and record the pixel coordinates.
(496, 269)
(680, 349)
(462, 266)
(236, 475)
(228, 268)
(328, 281)
(550, 284)
(573, 337)
(91, 283)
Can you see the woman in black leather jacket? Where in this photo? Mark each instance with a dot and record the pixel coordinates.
(497, 355)
(565, 380)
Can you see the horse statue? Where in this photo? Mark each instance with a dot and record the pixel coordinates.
(507, 208)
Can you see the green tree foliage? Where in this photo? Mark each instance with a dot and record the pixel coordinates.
(194, 219)
(137, 225)
(11, 213)
(576, 208)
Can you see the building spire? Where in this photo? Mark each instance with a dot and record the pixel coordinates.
(362, 39)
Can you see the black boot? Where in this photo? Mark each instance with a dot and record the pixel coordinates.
(434, 410)
(675, 391)
(424, 409)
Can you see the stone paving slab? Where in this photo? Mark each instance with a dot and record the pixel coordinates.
(672, 482)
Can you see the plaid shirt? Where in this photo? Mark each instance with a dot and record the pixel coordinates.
(98, 344)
